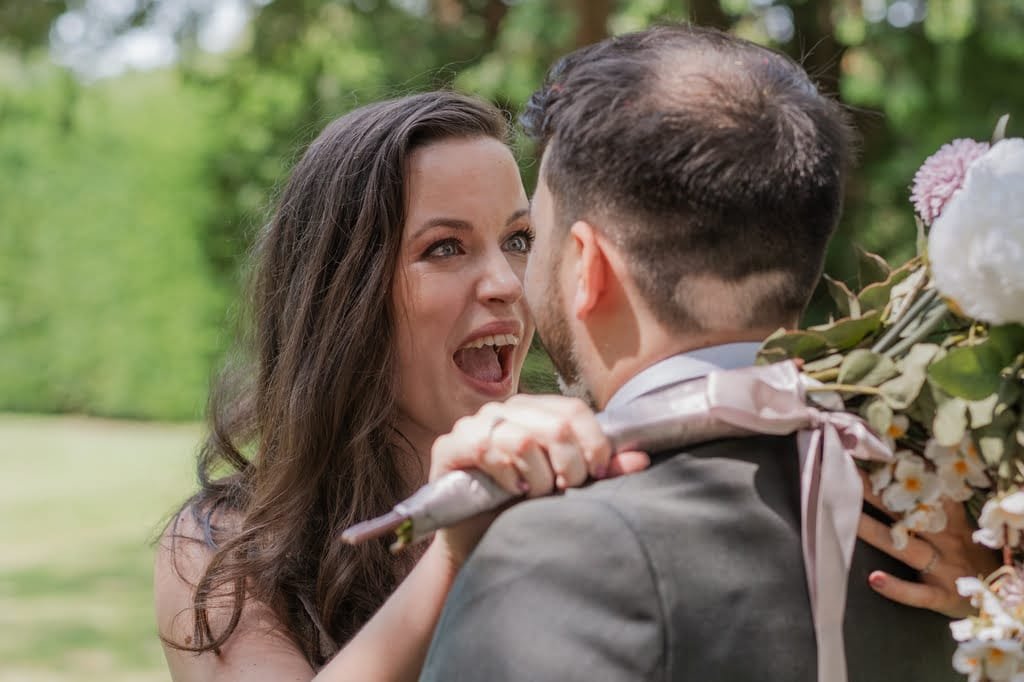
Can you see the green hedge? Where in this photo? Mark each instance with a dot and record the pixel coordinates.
(106, 304)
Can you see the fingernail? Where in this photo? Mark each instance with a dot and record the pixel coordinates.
(560, 482)
(523, 486)
(877, 580)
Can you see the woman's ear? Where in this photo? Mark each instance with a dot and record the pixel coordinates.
(591, 269)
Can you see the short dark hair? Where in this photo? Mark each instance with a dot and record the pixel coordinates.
(710, 155)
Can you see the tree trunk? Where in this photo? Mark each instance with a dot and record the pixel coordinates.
(708, 13)
(448, 12)
(592, 16)
(814, 44)
(494, 14)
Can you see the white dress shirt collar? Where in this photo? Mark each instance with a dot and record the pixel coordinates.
(684, 367)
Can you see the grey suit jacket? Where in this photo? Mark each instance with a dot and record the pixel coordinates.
(691, 570)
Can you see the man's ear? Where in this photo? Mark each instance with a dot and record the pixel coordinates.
(591, 269)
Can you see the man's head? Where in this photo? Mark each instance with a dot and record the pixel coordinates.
(692, 175)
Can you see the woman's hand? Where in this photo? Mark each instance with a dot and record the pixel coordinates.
(532, 445)
(940, 558)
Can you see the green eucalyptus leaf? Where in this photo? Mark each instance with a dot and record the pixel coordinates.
(805, 344)
(969, 372)
(1009, 394)
(950, 423)
(872, 267)
(864, 368)
(770, 356)
(847, 333)
(994, 439)
(827, 362)
(899, 299)
(878, 415)
(1006, 464)
(923, 409)
(845, 300)
(876, 296)
(1008, 341)
(901, 391)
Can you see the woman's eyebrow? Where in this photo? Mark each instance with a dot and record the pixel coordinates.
(460, 224)
(517, 215)
(454, 223)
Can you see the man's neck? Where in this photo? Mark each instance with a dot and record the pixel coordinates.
(655, 348)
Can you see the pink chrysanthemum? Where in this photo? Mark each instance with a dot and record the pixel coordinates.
(941, 175)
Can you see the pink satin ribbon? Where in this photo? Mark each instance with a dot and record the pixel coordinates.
(772, 400)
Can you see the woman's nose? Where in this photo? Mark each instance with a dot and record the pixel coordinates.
(499, 281)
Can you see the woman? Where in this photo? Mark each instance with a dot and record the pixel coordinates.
(387, 303)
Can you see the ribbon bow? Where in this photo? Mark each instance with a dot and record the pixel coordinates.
(772, 400)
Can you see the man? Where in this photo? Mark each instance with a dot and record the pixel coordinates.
(688, 186)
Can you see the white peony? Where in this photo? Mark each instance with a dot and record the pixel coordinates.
(976, 245)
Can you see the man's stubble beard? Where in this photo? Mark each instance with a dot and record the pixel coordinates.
(557, 339)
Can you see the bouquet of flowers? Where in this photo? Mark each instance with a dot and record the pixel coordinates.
(931, 355)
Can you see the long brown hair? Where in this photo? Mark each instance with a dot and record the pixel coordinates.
(315, 403)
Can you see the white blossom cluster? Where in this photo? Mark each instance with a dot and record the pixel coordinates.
(990, 644)
(914, 486)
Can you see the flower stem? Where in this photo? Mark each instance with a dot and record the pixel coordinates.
(904, 320)
(933, 318)
(843, 388)
(825, 374)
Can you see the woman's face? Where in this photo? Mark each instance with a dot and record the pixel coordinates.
(462, 324)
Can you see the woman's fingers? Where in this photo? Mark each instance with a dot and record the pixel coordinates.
(918, 554)
(870, 497)
(468, 446)
(628, 463)
(514, 442)
(533, 444)
(956, 543)
(557, 438)
(939, 570)
(919, 595)
(556, 419)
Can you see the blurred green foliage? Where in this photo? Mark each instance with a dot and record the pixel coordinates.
(107, 304)
(126, 205)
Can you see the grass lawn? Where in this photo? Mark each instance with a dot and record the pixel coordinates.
(80, 502)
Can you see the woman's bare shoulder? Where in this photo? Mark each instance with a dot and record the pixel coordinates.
(258, 649)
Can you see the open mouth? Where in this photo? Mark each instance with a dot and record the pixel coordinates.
(487, 359)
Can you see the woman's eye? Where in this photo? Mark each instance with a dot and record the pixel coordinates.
(520, 242)
(445, 248)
